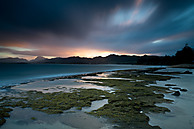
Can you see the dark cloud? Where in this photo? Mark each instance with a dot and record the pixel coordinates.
(129, 26)
(62, 17)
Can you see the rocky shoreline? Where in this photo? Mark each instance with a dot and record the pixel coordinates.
(127, 105)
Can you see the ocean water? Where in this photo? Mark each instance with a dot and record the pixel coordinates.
(12, 74)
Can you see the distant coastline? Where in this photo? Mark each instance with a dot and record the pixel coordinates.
(184, 56)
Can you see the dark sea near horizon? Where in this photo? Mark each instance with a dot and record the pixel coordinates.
(13, 74)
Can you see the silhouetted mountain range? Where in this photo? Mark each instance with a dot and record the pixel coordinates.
(38, 59)
(13, 60)
(186, 55)
(111, 59)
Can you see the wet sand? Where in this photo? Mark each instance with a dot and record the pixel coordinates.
(182, 113)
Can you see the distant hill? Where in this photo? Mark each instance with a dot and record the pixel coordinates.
(111, 59)
(38, 59)
(186, 55)
(13, 60)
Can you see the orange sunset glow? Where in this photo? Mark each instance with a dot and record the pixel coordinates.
(91, 29)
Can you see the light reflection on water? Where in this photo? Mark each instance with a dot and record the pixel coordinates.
(65, 85)
(95, 105)
(21, 119)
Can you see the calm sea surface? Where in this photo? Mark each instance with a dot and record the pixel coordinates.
(11, 74)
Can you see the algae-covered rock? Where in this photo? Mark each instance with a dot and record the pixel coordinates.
(2, 120)
(170, 84)
(33, 118)
(187, 72)
(176, 93)
(176, 88)
(4, 112)
(184, 90)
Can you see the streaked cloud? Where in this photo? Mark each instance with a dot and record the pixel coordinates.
(18, 48)
(99, 27)
(158, 41)
(133, 16)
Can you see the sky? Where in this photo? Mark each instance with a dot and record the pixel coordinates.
(89, 28)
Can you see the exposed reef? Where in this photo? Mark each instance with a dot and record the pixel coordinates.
(132, 99)
(127, 104)
(4, 112)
